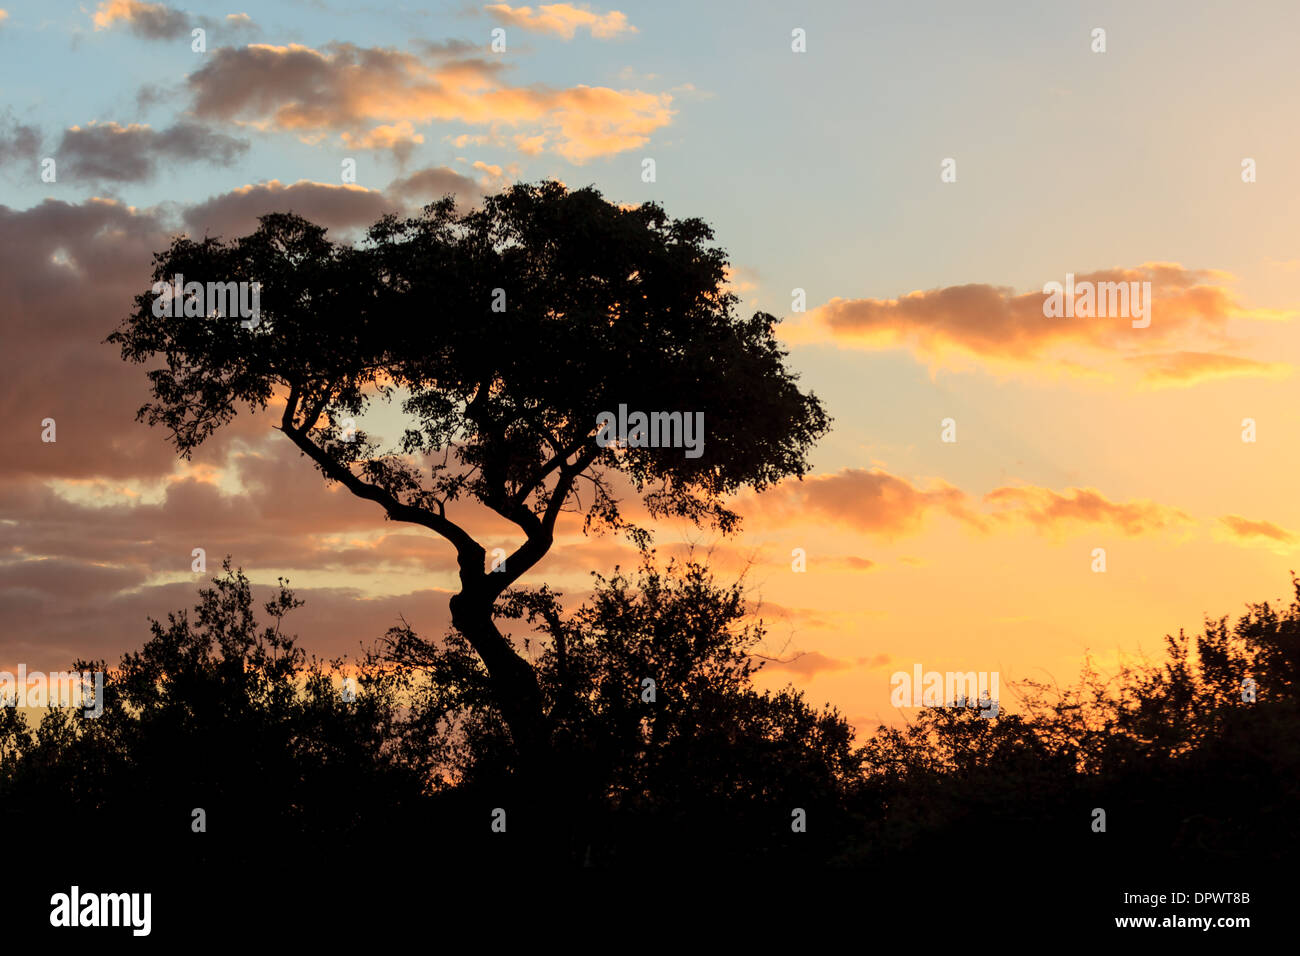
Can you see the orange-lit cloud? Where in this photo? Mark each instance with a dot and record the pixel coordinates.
(739, 279)
(876, 502)
(1048, 509)
(562, 19)
(871, 501)
(807, 664)
(851, 563)
(400, 137)
(997, 326)
(811, 663)
(356, 90)
(153, 20)
(494, 176)
(157, 21)
(1245, 529)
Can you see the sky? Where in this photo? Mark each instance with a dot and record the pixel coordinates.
(919, 170)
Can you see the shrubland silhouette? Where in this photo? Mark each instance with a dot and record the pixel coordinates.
(1195, 760)
(218, 713)
(221, 712)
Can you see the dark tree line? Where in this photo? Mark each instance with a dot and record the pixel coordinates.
(222, 712)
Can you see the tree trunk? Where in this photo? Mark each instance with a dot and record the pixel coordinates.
(543, 811)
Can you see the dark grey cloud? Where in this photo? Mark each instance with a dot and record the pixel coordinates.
(153, 21)
(19, 142)
(336, 207)
(433, 183)
(157, 21)
(110, 152)
(68, 274)
(50, 626)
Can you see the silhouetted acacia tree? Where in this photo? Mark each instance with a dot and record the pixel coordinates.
(603, 305)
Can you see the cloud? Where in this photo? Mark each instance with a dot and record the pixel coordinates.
(871, 501)
(740, 279)
(495, 177)
(50, 626)
(335, 206)
(562, 19)
(1046, 509)
(157, 21)
(433, 183)
(68, 274)
(111, 557)
(399, 137)
(113, 153)
(154, 21)
(4, 15)
(1245, 529)
(878, 503)
(811, 663)
(1190, 368)
(19, 142)
(997, 326)
(356, 90)
(805, 616)
(851, 563)
(268, 508)
(807, 664)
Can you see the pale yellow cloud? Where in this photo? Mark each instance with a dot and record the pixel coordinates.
(1189, 368)
(562, 19)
